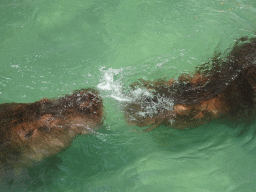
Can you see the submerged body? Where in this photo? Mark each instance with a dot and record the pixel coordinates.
(30, 132)
(220, 88)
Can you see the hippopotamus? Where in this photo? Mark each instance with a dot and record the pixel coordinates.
(30, 132)
(221, 88)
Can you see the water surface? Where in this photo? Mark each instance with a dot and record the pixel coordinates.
(49, 48)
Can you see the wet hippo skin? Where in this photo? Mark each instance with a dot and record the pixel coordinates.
(30, 132)
(224, 87)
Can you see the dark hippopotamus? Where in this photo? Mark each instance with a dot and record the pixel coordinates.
(223, 87)
(30, 132)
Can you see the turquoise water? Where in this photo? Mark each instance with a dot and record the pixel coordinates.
(49, 48)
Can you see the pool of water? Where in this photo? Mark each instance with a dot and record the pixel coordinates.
(49, 48)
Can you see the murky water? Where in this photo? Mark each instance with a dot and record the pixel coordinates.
(51, 48)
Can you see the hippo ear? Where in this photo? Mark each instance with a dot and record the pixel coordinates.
(29, 134)
(25, 133)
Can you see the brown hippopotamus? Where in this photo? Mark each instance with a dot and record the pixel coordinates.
(30, 132)
(222, 87)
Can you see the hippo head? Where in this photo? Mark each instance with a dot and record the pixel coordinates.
(31, 132)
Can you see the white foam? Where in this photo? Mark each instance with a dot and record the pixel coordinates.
(112, 83)
(114, 87)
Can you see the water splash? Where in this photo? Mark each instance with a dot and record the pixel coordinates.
(112, 82)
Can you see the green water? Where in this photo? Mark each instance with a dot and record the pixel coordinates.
(49, 48)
